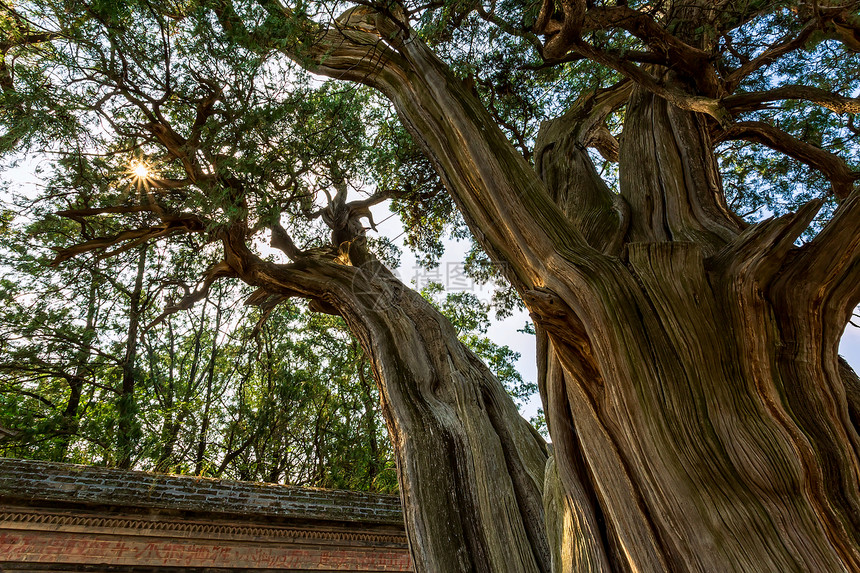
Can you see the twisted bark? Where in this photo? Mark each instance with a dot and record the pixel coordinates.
(677, 447)
(471, 469)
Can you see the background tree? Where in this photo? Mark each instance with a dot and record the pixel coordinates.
(260, 397)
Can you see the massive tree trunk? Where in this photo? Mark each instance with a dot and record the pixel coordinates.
(709, 421)
(695, 399)
(470, 468)
(713, 429)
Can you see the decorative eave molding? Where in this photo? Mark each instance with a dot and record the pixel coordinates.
(48, 521)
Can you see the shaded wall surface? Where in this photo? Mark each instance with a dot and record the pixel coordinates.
(64, 517)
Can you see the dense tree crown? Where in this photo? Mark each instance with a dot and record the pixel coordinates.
(669, 188)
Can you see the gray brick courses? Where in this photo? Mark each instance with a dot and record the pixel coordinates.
(35, 481)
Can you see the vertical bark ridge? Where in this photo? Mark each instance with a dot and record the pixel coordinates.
(814, 397)
(574, 548)
(852, 393)
(812, 389)
(490, 517)
(728, 484)
(628, 537)
(524, 464)
(575, 524)
(669, 176)
(811, 296)
(567, 171)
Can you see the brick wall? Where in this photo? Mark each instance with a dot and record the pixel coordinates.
(117, 552)
(46, 481)
(73, 518)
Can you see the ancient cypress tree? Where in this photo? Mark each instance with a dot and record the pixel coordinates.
(700, 415)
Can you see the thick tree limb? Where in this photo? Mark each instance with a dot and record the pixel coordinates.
(158, 183)
(282, 241)
(752, 101)
(565, 167)
(784, 46)
(81, 214)
(179, 147)
(680, 55)
(586, 115)
(829, 265)
(681, 99)
(760, 251)
(605, 143)
(132, 238)
(560, 33)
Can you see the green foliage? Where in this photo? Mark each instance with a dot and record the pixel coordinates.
(290, 402)
(201, 391)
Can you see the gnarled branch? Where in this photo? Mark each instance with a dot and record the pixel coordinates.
(215, 272)
(752, 101)
(184, 223)
(784, 46)
(830, 263)
(566, 169)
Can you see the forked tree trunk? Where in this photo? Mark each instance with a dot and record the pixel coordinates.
(695, 453)
(710, 429)
(696, 404)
